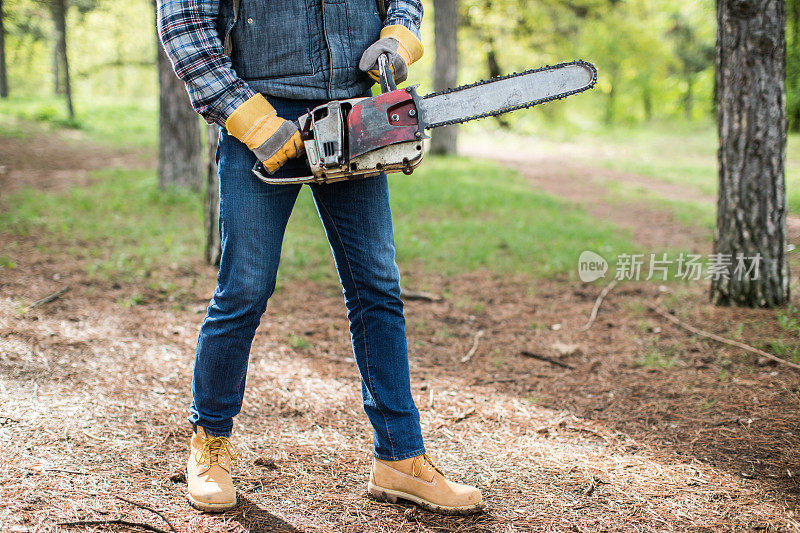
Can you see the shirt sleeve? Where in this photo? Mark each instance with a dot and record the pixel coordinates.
(187, 29)
(407, 13)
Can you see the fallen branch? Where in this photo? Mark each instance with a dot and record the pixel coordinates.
(655, 308)
(471, 352)
(7, 420)
(146, 508)
(146, 527)
(502, 380)
(597, 303)
(47, 299)
(66, 471)
(407, 294)
(546, 359)
(498, 380)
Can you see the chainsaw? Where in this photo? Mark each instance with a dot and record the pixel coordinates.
(362, 137)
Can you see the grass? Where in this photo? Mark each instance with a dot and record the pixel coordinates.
(298, 342)
(452, 216)
(657, 357)
(121, 225)
(785, 349)
(682, 154)
(689, 212)
(789, 320)
(104, 121)
(456, 215)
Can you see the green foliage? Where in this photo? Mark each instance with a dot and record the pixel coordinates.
(657, 357)
(131, 301)
(298, 342)
(706, 404)
(787, 349)
(7, 262)
(111, 46)
(655, 57)
(649, 52)
(789, 320)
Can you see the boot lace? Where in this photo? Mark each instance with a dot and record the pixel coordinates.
(213, 449)
(419, 464)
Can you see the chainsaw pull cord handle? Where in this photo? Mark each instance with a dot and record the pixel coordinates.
(386, 74)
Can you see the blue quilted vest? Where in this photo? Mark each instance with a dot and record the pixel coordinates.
(300, 49)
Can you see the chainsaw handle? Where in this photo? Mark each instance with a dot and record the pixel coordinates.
(386, 74)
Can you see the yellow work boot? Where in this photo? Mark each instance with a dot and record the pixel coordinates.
(209, 473)
(418, 480)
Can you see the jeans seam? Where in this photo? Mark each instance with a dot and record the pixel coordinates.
(363, 326)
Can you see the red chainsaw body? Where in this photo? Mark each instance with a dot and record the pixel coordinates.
(382, 120)
(360, 137)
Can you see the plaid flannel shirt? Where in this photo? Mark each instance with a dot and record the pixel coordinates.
(187, 29)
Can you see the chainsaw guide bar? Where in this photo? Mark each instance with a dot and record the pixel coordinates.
(361, 137)
(578, 68)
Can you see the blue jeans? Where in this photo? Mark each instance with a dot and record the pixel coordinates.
(358, 224)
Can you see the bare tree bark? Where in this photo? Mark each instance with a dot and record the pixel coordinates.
(57, 88)
(688, 96)
(611, 97)
(493, 67)
(213, 244)
(647, 101)
(59, 11)
(445, 67)
(180, 151)
(3, 70)
(751, 207)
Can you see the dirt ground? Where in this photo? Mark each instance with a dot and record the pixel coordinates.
(93, 398)
(55, 159)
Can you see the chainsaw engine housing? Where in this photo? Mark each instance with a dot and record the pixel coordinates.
(360, 137)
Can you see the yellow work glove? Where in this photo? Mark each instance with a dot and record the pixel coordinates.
(273, 139)
(403, 48)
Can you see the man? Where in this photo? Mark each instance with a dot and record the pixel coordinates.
(254, 66)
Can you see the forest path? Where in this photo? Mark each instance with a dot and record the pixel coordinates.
(569, 174)
(54, 160)
(641, 427)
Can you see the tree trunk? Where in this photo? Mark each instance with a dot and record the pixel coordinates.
(751, 208)
(180, 151)
(59, 10)
(213, 244)
(445, 67)
(3, 71)
(794, 83)
(647, 101)
(494, 70)
(57, 88)
(611, 97)
(688, 97)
